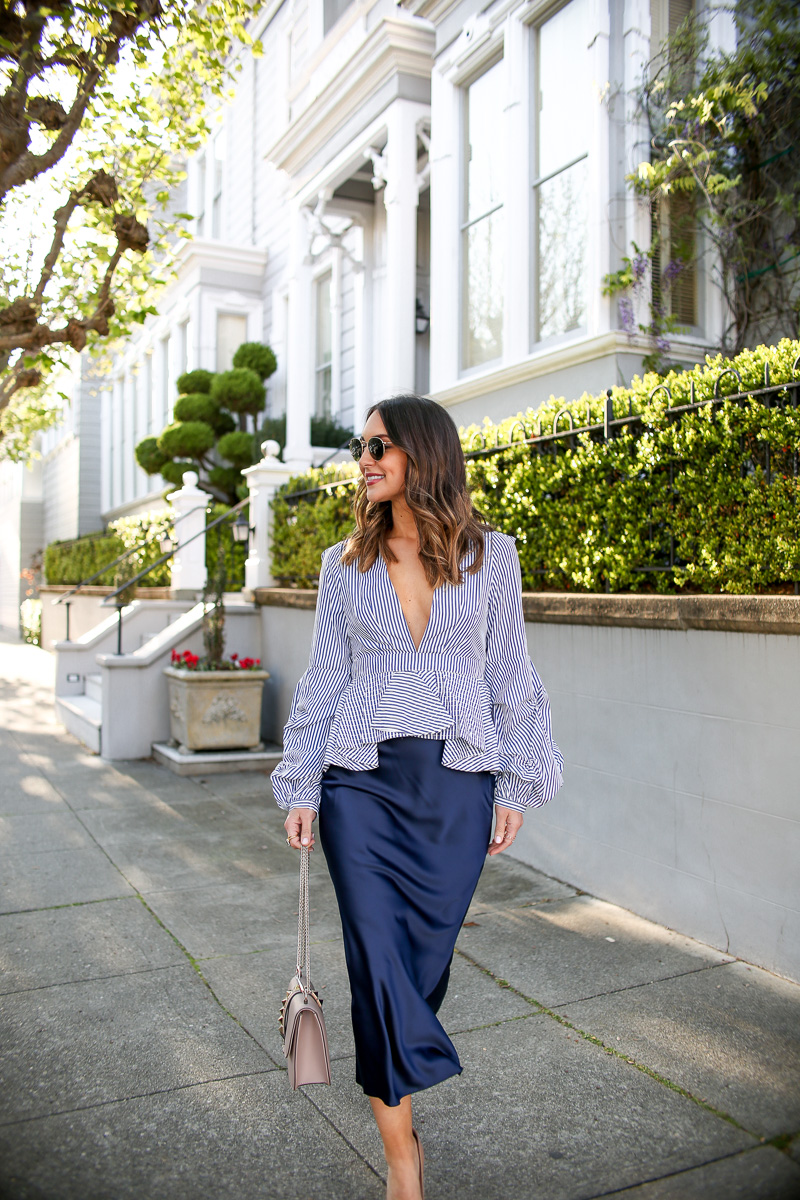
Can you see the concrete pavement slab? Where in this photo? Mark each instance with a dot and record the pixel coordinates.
(40, 832)
(252, 987)
(190, 862)
(87, 1043)
(58, 877)
(730, 1036)
(84, 941)
(762, 1174)
(537, 1113)
(235, 918)
(158, 820)
(246, 785)
(506, 883)
(23, 789)
(577, 948)
(241, 1139)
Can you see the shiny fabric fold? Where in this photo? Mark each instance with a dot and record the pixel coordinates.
(405, 844)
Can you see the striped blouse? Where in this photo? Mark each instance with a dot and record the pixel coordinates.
(470, 683)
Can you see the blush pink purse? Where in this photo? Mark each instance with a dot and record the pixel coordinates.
(305, 1041)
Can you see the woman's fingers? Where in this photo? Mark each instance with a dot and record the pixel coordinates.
(506, 826)
(298, 826)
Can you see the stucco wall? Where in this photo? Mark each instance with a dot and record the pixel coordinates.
(682, 746)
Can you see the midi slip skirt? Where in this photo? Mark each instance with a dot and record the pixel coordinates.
(405, 844)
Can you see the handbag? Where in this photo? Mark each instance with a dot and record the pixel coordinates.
(305, 1040)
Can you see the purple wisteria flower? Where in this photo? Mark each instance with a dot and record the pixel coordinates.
(626, 317)
(672, 270)
(639, 268)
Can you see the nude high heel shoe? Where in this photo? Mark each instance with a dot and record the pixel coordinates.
(421, 1154)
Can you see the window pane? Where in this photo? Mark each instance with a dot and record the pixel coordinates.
(485, 142)
(483, 271)
(331, 11)
(564, 87)
(322, 353)
(231, 332)
(562, 221)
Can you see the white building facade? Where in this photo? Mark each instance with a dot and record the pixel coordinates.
(416, 197)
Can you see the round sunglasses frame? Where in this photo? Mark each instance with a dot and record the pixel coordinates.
(376, 446)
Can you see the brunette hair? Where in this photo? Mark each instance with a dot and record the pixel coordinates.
(435, 490)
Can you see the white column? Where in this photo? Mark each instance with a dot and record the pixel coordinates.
(263, 480)
(401, 197)
(188, 571)
(636, 54)
(446, 217)
(598, 256)
(300, 356)
(517, 189)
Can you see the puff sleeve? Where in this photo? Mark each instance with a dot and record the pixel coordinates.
(297, 778)
(531, 762)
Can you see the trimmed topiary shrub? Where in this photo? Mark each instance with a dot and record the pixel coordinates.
(194, 381)
(189, 439)
(240, 390)
(256, 357)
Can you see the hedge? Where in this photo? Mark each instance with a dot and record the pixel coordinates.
(590, 513)
(70, 562)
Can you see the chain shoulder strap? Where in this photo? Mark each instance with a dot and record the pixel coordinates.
(303, 932)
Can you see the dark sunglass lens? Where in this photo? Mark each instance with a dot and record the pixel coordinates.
(376, 448)
(356, 448)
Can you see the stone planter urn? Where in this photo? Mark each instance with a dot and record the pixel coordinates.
(215, 710)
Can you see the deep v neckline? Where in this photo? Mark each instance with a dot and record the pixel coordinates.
(406, 626)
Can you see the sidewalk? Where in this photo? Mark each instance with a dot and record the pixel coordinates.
(147, 929)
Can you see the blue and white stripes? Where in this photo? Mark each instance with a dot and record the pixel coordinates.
(471, 683)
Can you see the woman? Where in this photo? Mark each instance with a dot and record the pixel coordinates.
(420, 713)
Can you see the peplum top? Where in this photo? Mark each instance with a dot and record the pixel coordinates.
(471, 683)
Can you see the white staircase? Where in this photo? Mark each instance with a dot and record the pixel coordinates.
(82, 716)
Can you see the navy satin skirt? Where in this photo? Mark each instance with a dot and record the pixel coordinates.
(405, 845)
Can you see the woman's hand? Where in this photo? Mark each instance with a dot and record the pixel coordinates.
(298, 827)
(507, 824)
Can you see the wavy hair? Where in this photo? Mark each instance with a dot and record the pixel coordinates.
(436, 491)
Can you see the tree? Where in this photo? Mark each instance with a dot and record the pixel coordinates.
(102, 102)
(724, 167)
(209, 433)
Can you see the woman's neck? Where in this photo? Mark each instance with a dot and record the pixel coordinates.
(404, 524)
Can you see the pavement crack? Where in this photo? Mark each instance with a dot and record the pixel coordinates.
(645, 983)
(16, 912)
(179, 1087)
(610, 1050)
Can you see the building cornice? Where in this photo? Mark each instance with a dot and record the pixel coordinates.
(397, 45)
(559, 358)
(223, 256)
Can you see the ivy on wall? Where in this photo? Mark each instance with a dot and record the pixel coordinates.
(717, 487)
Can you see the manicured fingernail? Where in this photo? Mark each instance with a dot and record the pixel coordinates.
(499, 837)
(305, 841)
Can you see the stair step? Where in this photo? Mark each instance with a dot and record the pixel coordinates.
(82, 717)
(93, 688)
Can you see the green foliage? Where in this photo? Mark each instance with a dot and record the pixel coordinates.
(324, 432)
(72, 561)
(78, 558)
(205, 431)
(196, 406)
(189, 439)
(240, 390)
(301, 531)
(237, 448)
(256, 357)
(589, 513)
(725, 151)
(138, 82)
(150, 457)
(194, 381)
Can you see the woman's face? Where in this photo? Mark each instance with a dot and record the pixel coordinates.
(385, 478)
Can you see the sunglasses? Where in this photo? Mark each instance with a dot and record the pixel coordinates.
(376, 446)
